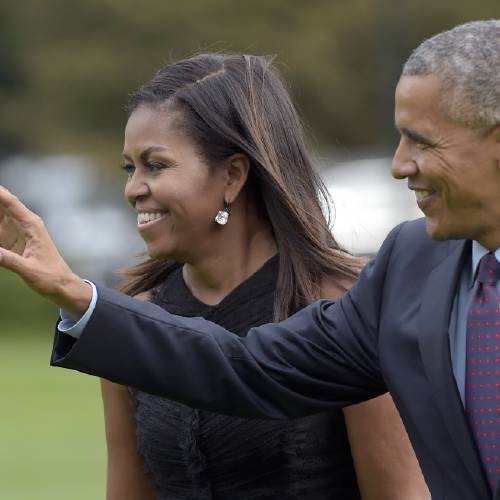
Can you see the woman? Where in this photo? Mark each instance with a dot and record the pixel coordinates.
(229, 206)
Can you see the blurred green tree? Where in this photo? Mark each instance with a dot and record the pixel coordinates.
(66, 67)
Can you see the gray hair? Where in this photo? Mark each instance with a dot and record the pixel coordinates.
(467, 60)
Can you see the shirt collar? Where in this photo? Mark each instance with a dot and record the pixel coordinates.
(478, 252)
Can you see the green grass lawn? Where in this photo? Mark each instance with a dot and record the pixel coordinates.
(51, 426)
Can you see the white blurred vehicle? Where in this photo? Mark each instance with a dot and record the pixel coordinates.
(88, 221)
(367, 202)
(95, 232)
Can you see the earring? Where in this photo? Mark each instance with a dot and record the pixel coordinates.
(223, 215)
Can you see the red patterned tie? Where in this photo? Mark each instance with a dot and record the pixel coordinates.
(482, 376)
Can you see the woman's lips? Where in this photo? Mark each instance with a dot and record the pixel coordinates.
(148, 219)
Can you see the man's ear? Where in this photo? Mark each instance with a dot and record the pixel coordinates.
(237, 169)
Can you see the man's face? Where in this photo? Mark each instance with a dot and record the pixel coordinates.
(453, 170)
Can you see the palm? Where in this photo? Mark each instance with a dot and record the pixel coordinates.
(28, 248)
(12, 237)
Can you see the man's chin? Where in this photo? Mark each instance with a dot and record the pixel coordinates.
(436, 231)
(439, 232)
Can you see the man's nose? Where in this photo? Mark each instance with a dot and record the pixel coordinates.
(403, 162)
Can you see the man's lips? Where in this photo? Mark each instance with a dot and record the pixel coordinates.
(422, 194)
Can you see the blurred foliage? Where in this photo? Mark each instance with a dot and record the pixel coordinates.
(23, 310)
(66, 67)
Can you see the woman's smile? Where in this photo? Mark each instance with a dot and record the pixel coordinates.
(148, 219)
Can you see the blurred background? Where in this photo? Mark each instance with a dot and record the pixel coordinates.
(66, 68)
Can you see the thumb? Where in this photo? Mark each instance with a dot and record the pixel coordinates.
(12, 261)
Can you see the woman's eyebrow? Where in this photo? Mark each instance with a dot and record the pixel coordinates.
(143, 156)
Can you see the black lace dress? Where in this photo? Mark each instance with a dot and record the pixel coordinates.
(198, 455)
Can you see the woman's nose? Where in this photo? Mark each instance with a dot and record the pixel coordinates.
(136, 188)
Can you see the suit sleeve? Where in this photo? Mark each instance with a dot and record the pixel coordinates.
(323, 357)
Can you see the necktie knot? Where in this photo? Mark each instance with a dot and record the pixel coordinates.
(489, 270)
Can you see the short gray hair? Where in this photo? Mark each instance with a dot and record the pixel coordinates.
(467, 60)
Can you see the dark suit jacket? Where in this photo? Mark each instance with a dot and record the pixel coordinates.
(389, 332)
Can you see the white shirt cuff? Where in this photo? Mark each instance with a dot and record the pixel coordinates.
(75, 328)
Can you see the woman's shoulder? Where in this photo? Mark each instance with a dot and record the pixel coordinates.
(333, 287)
(145, 296)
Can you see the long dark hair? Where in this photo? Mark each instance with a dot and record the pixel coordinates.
(237, 104)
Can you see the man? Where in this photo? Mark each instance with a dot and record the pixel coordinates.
(423, 321)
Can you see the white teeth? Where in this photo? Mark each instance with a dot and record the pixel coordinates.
(143, 218)
(420, 194)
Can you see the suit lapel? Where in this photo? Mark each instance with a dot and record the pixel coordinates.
(437, 302)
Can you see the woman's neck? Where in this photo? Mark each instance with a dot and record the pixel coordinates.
(214, 276)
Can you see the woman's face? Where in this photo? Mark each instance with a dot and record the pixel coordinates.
(174, 192)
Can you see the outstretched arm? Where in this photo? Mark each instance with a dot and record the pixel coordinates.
(324, 356)
(288, 369)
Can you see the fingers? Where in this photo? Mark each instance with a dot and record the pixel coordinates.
(12, 261)
(12, 234)
(10, 205)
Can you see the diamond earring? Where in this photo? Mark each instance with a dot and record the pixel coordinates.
(223, 215)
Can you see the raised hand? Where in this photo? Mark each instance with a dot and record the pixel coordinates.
(27, 249)
(11, 236)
